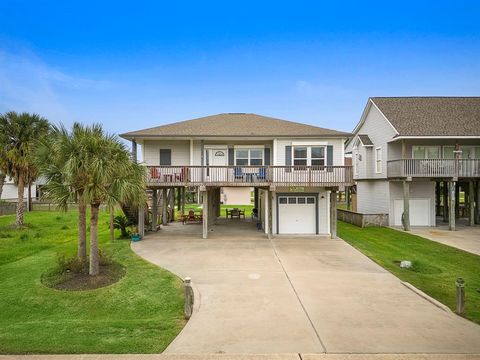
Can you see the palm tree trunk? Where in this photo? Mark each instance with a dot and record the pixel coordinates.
(2, 181)
(94, 258)
(112, 230)
(20, 205)
(82, 228)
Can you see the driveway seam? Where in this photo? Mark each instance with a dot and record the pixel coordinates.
(298, 297)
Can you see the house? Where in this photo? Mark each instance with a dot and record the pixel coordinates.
(293, 168)
(414, 156)
(10, 190)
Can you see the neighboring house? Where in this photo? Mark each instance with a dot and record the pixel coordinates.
(292, 167)
(10, 190)
(236, 195)
(412, 152)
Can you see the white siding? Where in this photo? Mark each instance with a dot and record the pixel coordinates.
(10, 191)
(373, 197)
(419, 189)
(380, 132)
(180, 151)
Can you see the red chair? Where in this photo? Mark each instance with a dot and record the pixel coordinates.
(154, 173)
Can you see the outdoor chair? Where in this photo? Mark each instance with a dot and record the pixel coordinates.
(238, 173)
(262, 174)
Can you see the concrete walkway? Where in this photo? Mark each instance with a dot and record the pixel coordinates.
(297, 295)
(465, 237)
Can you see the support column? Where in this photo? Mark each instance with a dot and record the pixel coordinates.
(333, 214)
(255, 198)
(457, 200)
(164, 207)
(471, 203)
(179, 199)
(269, 214)
(154, 209)
(172, 203)
(183, 200)
(445, 201)
(347, 196)
(205, 214)
(451, 205)
(141, 220)
(406, 206)
(477, 207)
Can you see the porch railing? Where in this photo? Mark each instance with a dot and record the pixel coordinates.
(429, 168)
(250, 175)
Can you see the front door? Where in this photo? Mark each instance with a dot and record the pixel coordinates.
(217, 159)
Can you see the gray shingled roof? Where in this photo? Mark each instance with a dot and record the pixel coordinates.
(432, 116)
(365, 140)
(235, 124)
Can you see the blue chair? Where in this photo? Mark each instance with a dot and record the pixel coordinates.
(238, 173)
(262, 174)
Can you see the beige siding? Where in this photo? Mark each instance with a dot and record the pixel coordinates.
(180, 151)
(236, 196)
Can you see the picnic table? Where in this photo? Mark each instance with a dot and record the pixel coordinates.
(234, 213)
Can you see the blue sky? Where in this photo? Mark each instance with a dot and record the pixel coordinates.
(131, 65)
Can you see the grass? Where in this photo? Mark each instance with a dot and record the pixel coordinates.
(142, 313)
(198, 207)
(435, 266)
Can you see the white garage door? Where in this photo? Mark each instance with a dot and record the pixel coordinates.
(296, 214)
(419, 212)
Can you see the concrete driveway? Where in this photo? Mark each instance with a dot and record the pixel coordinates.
(298, 295)
(465, 237)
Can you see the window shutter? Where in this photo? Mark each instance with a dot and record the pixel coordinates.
(329, 155)
(267, 156)
(231, 156)
(166, 157)
(288, 155)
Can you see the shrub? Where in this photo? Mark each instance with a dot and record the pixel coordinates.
(70, 264)
(104, 258)
(122, 223)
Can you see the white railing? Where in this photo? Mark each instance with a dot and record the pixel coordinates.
(250, 175)
(434, 168)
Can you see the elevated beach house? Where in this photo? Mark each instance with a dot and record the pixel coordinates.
(417, 159)
(294, 169)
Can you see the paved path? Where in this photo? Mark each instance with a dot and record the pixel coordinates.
(299, 295)
(465, 237)
(245, 357)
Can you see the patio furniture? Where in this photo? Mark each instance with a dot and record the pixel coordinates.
(192, 217)
(168, 177)
(234, 213)
(262, 174)
(238, 172)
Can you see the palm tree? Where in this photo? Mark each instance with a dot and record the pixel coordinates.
(94, 168)
(62, 161)
(22, 133)
(113, 178)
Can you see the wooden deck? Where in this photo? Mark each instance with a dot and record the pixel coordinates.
(251, 176)
(434, 168)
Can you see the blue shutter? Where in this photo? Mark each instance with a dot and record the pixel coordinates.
(231, 156)
(266, 155)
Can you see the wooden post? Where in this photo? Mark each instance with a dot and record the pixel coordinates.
(134, 151)
(154, 209)
(406, 206)
(445, 201)
(172, 203)
(457, 200)
(451, 206)
(437, 198)
(477, 207)
(471, 203)
(164, 207)
(267, 211)
(333, 214)
(269, 214)
(183, 200)
(347, 196)
(141, 220)
(255, 198)
(205, 214)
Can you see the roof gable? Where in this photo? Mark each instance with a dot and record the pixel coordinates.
(235, 124)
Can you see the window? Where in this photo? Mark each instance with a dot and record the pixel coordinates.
(448, 152)
(378, 160)
(166, 157)
(309, 155)
(246, 157)
(426, 152)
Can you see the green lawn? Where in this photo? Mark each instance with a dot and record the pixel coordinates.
(198, 207)
(142, 313)
(436, 266)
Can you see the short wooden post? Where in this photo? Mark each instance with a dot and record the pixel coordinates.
(445, 201)
(460, 285)
(333, 214)
(406, 206)
(154, 209)
(164, 207)
(189, 298)
(451, 206)
(205, 214)
(471, 203)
